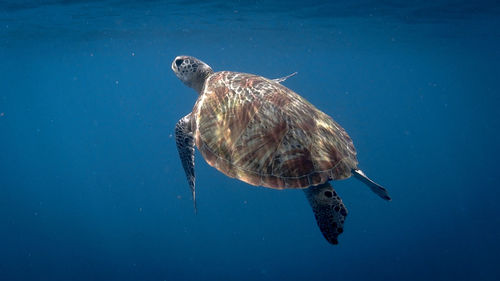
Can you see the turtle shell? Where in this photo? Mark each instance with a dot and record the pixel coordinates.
(256, 130)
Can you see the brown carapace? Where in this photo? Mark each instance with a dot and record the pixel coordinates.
(256, 130)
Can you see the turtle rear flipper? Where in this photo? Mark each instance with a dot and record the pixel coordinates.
(378, 189)
(185, 145)
(328, 209)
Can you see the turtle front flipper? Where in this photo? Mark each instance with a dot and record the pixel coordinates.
(328, 209)
(281, 79)
(185, 145)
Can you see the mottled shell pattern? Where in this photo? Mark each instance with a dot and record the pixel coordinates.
(256, 130)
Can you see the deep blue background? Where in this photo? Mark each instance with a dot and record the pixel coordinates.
(91, 187)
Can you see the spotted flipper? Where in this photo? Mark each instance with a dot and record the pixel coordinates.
(281, 79)
(328, 209)
(185, 146)
(378, 189)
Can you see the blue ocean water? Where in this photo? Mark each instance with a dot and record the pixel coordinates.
(91, 187)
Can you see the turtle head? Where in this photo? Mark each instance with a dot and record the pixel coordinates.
(191, 71)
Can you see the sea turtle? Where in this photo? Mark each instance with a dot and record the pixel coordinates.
(256, 130)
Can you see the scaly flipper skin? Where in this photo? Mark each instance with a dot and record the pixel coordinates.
(328, 209)
(375, 187)
(185, 146)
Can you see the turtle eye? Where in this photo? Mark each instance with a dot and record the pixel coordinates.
(178, 62)
(328, 194)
